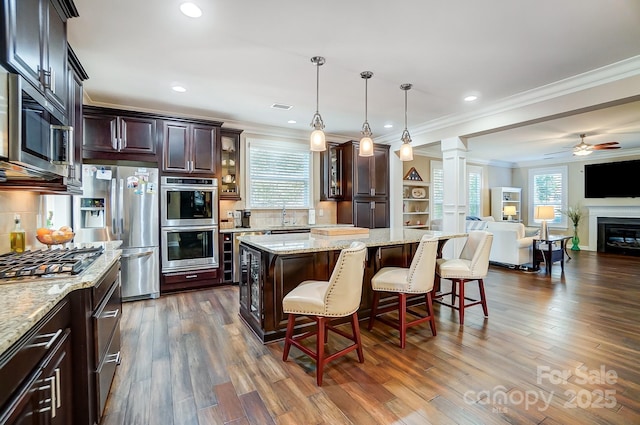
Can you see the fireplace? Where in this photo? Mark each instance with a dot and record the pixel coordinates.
(621, 222)
(619, 235)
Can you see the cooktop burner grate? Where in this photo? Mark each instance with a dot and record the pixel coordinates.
(48, 262)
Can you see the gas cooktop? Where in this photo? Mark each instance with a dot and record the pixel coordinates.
(48, 262)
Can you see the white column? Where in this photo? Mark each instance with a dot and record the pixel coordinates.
(454, 208)
(395, 189)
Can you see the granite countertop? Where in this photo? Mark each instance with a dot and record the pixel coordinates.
(306, 242)
(285, 227)
(24, 301)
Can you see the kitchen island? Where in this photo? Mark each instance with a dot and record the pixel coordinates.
(272, 265)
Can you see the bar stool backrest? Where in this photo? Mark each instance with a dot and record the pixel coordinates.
(423, 266)
(345, 285)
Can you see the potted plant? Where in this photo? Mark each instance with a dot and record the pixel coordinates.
(575, 214)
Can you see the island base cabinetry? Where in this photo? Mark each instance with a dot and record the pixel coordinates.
(266, 278)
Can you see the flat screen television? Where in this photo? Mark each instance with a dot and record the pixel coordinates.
(612, 180)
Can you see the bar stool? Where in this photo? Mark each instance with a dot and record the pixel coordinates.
(472, 265)
(323, 301)
(417, 279)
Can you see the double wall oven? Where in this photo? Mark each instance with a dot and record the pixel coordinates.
(189, 223)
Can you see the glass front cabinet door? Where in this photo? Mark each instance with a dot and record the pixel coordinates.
(331, 165)
(230, 164)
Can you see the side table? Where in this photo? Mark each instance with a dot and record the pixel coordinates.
(550, 255)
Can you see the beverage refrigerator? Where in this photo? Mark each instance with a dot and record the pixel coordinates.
(121, 203)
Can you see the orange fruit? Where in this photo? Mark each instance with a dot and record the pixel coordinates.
(43, 231)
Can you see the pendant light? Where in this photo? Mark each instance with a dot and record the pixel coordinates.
(317, 140)
(366, 143)
(406, 151)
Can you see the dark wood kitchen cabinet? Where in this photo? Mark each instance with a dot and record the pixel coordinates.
(190, 148)
(365, 202)
(36, 373)
(77, 75)
(36, 44)
(119, 135)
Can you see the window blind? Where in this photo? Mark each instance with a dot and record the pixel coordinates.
(279, 175)
(474, 182)
(437, 187)
(548, 187)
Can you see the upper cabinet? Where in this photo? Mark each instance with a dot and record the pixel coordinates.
(77, 75)
(230, 164)
(112, 134)
(365, 186)
(368, 175)
(36, 44)
(189, 148)
(332, 170)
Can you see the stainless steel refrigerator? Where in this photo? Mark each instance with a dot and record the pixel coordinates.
(121, 203)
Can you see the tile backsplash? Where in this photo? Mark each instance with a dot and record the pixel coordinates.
(27, 204)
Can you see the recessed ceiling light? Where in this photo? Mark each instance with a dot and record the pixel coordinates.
(191, 10)
(388, 126)
(281, 106)
(179, 89)
(291, 121)
(470, 98)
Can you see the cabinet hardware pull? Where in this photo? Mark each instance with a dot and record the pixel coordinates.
(52, 399)
(373, 191)
(114, 132)
(372, 205)
(52, 338)
(113, 358)
(191, 276)
(52, 80)
(58, 392)
(110, 314)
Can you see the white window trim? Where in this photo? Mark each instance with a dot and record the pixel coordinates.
(283, 145)
(563, 170)
(477, 170)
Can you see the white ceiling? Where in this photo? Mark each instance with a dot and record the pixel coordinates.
(240, 57)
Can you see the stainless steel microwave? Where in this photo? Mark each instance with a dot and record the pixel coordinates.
(35, 140)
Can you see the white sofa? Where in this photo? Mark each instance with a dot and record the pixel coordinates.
(510, 245)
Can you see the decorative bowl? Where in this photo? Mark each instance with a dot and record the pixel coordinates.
(55, 238)
(418, 192)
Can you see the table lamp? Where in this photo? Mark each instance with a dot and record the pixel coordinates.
(509, 210)
(544, 213)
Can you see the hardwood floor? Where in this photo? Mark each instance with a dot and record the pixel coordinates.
(189, 359)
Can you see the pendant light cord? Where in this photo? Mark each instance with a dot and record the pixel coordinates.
(366, 81)
(317, 87)
(405, 109)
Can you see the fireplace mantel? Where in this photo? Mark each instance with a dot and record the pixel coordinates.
(627, 211)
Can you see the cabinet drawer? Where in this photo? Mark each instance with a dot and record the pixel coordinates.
(20, 360)
(106, 318)
(106, 370)
(176, 278)
(100, 290)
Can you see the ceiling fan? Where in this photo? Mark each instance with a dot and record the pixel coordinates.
(583, 148)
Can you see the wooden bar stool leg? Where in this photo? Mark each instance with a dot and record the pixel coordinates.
(402, 314)
(288, 336)
(355, 327)
(461, 298)
(432, 321)
(483, 299)
(320, 349)
(374, 309)
(453, 292)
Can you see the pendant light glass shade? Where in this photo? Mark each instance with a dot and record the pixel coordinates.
(406, 151)
(317, 140)
(366, 143)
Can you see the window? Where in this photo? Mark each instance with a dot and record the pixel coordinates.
(474, 189)
(279, 174)
(548, 186)
(437, 190)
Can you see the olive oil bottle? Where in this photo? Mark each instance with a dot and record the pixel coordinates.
(17, 236)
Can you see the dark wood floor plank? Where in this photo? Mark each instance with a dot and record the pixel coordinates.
(178, 349)
(229, 404)
(255, 410)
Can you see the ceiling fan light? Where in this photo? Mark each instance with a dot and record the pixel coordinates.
(582, 152)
